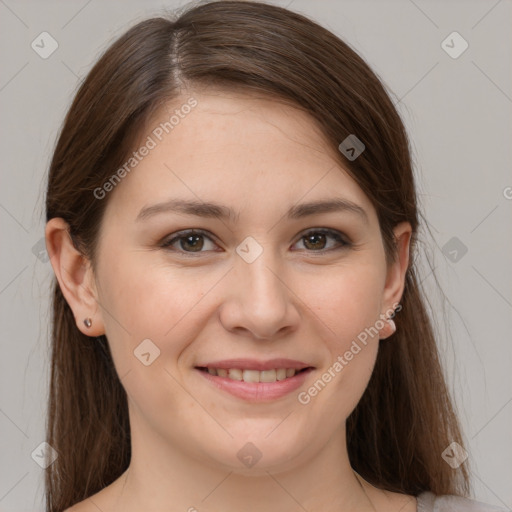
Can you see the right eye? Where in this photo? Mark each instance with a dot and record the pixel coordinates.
(189, 241)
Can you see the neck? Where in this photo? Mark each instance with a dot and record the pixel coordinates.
(162, 477)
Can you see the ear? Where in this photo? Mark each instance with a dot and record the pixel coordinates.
(75, 276)
(395, 277)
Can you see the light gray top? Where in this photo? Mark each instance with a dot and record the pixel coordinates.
(428, 502)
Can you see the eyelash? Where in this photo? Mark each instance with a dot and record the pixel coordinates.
(342, 240)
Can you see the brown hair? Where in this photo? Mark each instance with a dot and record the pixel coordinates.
(405, 419)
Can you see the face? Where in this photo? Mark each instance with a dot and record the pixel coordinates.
(200, 302)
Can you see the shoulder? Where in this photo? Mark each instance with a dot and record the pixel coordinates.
(95, 503)
(428, 502)
(83, 506)
(103, 501)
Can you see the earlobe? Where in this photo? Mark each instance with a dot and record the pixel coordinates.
(389, 328)
(75, 276)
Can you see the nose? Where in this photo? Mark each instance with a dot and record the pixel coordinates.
(258, 299)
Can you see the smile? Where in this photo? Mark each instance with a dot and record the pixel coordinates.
(255, 381)
(254, 375)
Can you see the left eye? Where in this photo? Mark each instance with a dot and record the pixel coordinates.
(314, 238)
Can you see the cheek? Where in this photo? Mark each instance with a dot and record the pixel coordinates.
(347, 303)
(140, 303)
(159, 302)
(348, 308)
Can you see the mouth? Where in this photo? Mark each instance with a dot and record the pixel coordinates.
(254, 376)
(256, 381)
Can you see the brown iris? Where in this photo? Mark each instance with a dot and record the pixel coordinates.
(315, 241)
(194, 242)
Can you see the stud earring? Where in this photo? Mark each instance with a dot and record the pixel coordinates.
(390, 327)
(87, 322)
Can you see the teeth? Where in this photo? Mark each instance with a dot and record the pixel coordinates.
(251, 376)
(281, 374)
(268, 376)
(254, 375)
(234, 374)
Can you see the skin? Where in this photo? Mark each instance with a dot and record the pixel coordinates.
(302, 301)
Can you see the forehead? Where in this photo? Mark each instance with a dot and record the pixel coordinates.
(241, 148)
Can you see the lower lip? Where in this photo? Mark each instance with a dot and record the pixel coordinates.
(257, 391)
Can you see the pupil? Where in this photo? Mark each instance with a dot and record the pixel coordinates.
(311, 238)
(190, 238)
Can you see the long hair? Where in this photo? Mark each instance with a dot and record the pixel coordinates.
(405, 418)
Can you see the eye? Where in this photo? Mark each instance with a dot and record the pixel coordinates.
(316, 240)
(190, 241)
(193, 241)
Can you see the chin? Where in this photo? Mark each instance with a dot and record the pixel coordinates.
(255, 457)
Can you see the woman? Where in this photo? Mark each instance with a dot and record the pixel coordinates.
(232, 221)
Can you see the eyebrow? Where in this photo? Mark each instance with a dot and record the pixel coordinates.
(218, 211)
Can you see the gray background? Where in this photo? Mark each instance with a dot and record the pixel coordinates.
(458, 114)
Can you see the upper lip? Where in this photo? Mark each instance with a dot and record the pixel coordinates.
(254, 364)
